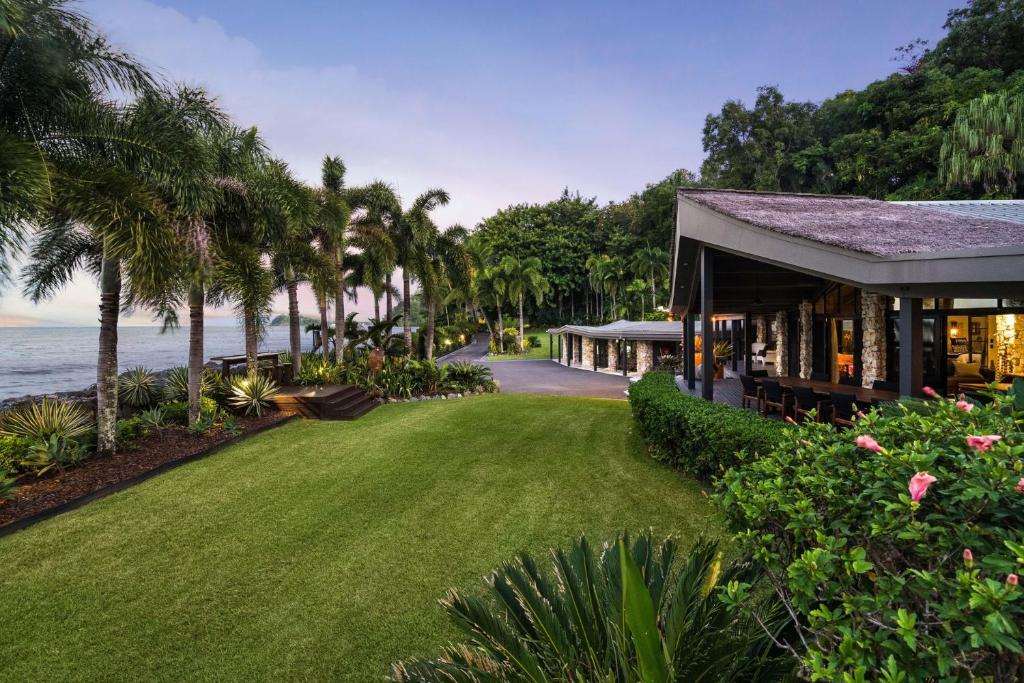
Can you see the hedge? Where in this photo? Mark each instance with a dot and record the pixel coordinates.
(699, 436)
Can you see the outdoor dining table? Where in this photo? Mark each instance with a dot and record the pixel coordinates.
(1001, 387)
(227, 361)
(862, 394)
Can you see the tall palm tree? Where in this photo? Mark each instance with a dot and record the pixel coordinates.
(334, 219)
(650, 262)
(53, 65)
(439, 262)
(525, 278)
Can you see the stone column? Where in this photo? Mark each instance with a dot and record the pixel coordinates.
(613, 354)
(761, 329)
(873, 309)
(588, 353)
(644, 356)
(806, 343)
(781, 344)
(563, 349)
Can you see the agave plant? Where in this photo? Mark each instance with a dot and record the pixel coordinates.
(138, 387)
(176, 384)
(153, 418)
(252, 394)
(469, 375)
(631, 612)
(42, 420)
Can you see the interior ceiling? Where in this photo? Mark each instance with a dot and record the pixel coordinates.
(743, 285)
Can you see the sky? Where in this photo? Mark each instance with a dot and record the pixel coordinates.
(499, 104)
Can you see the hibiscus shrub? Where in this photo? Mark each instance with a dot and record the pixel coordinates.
(701, 437)
(897, 543)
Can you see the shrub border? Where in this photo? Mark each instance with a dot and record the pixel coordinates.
(76, 503)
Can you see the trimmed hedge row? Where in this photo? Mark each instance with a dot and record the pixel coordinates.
(698, 436)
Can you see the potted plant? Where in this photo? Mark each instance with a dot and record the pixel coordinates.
(722, 351)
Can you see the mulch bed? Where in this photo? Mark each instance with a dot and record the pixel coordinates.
(159, 449)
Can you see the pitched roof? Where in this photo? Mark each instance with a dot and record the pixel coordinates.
(627, 329)
(866, 225)
(1011, 210)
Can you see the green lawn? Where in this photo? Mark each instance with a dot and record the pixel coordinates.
(531, 354)
(318, 550)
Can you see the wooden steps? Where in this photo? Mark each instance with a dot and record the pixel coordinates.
(331, 402)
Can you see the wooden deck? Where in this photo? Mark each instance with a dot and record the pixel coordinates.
(331, 402)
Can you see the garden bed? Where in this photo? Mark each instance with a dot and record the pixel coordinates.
(41, 497)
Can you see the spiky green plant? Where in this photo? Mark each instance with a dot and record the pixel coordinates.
(138, 387)
(7, 487)
(252, 394)
(175, 387)
(153, 418)
(45, 419)
(632, 612)
(469, 375)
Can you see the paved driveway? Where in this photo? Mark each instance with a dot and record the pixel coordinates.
(542, 376)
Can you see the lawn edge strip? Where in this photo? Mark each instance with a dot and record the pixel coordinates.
(67, 506)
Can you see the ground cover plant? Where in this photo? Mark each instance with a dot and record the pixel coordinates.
(536, 347)
(698, 436)
(318, 550)
(898, 543)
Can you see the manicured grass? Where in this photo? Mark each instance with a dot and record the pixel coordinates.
(318, 550)
(531, 354)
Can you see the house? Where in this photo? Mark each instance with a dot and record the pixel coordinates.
(624, 346)
(858, 291)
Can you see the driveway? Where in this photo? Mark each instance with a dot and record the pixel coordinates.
(542, 376)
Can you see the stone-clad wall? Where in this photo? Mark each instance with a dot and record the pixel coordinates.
(613, 354)
(760, 330)
(1008, 343)
(873, 309)
(588, 352)
(781, 344)
(806, 342)
(563, 349)
(644, 356)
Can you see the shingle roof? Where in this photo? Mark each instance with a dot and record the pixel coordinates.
(628, 329)
(1011, 210)
(866, 225)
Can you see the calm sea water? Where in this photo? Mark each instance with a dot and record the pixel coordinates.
(38, 360)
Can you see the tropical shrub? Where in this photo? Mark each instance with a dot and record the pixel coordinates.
(469, 376)
(130, 430)
(202, 425)
(175, 387)
(40, 421)
(176, 412)
(533, 341)
(252, 395)
(138, 388)
(55, 452)
(898, 542)
(230, 426)
(632, 611)
(7, 487)
(316, 371)
(13, 451)
(701, 437)
(427, 376)
(154, 418)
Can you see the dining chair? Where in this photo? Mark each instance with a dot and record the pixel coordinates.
(806, 400)
(774, 398)
(751, 392)
(882, 385)
(843, 407)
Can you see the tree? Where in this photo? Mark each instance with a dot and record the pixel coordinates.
(650, 262)
(985, 145)
(438, 262)
(523, 278)
(334, 216)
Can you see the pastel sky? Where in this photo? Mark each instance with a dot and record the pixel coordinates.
(497, 103)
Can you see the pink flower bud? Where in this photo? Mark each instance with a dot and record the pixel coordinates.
(790, 420)
(1012, 579)
(865, 441)
(860, 414)
(965, 406)
(929, 392)
(968, 557)
(1019, 488)
(919, 484)
(982, 443)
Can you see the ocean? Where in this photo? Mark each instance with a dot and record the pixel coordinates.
(40, 360)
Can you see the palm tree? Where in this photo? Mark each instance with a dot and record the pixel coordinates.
(595, 275)
(334, 217)
(524, 277)
(650, 262)
(439, 262)
(295, 260)
(53, 66)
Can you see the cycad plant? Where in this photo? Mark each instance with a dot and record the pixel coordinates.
(252, 394)
(631, 612)
(45, 419)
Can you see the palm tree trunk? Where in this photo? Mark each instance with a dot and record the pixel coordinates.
(252, 362)
(501, 331)
(196, 355)
(406, 313)
(339, 320)
(654, 292)
(376, 305)
(294, 327)
(106, 367)
(431, 309)
(325, 330)
(387, 295)
(522, 329)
